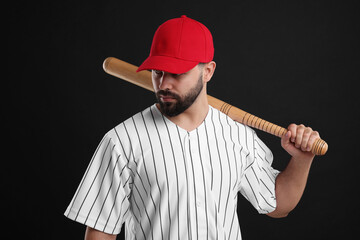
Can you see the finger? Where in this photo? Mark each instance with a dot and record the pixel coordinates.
(285, 142)
(292, 128)
(299, 135)
(286, 138)
(313, 137)
(305, 139)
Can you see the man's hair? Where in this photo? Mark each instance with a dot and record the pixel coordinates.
(201, 65)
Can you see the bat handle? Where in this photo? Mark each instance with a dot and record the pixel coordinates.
(320, 147)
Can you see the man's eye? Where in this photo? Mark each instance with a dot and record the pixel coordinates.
(157, 72)
(177, 74)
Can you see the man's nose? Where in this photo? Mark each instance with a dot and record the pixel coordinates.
(166, 81)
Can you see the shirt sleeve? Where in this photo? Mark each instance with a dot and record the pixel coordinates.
(258, 179)
(102, 198)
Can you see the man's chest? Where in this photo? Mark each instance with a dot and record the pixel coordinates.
(196, 163)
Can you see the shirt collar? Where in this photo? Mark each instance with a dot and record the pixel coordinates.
(162, 116)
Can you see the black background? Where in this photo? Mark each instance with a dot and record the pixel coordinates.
(285, 61)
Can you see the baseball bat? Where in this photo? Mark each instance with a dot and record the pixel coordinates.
(127, 71)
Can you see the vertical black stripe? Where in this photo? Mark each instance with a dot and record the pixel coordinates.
(134, 158)
(116, 194)
(266, 186)
(131, 148)
(258, 144)
(247, 147)
(227, 157)
(269, 175)
(144, 162)
(196, 213)
(142, 152)
(146, 211)
(187, 184)
(92, 183)
(257, 201)
(266, 201)
(166, 171)
(101, 186)
(235, 160)
(156, 174)
(139, 223)
(217, 146)
(177, 179)
(119, 217)
(204, 185)
(241, 158)
(257, 179)
(216, 224)
(85, 175)
(211, 165)
(107, 194)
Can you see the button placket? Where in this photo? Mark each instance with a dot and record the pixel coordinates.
(190, 186)
(199, 184)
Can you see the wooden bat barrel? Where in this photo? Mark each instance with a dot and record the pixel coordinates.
(127, 72)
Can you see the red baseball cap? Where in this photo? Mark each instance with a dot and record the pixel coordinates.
(178, 45)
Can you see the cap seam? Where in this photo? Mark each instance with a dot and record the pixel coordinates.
(205, 39)
(181, 30)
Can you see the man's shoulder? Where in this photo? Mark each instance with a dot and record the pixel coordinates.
(130, 123)
(224, 118)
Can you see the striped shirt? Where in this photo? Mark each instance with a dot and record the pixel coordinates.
(164, 182)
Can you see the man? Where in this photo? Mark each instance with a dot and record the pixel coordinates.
(174, 170)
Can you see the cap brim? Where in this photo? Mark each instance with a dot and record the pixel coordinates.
(167, 64)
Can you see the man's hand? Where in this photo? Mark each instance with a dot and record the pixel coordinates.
(298, 141)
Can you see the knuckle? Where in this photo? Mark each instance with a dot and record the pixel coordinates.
(308, 131)
(298, 141)
(301, 126)
(307, 134)
(301, 129)
(316, 133)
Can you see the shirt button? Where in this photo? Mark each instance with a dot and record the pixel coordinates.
(198, 203)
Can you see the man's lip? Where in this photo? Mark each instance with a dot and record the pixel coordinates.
(166, 98)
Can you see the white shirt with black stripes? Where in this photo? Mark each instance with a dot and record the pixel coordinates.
(164, 182)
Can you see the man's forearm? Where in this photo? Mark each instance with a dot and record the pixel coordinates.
(290, 185)
(93, 234)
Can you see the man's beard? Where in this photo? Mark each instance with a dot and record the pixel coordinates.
(174, 108)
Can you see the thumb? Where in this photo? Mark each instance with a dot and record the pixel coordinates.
(287, 145)
(285, 139)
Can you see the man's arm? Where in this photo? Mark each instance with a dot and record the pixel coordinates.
(93, 234)
(291, 182)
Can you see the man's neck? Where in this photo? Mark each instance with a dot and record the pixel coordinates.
(192, 117)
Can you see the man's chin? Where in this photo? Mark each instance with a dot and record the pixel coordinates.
(169, 110)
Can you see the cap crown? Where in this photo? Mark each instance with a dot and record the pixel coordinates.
(183, 38)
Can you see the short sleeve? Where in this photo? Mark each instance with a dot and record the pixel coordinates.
(258, 179)
(102, 198)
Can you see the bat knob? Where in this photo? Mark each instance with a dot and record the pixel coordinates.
(320, 147)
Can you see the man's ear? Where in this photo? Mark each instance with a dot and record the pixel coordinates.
(208, 71)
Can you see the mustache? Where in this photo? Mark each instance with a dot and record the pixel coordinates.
(167, 93)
